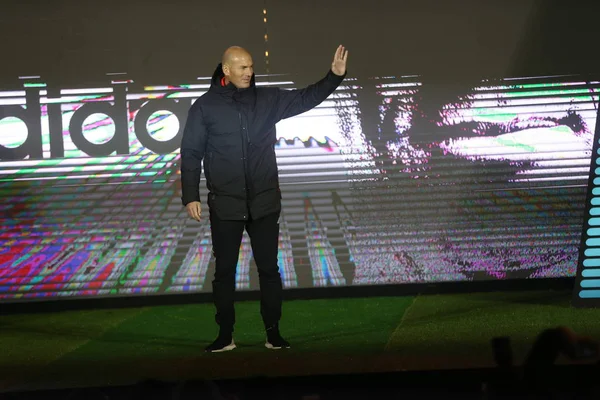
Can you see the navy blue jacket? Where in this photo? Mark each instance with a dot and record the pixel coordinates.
(233, 131)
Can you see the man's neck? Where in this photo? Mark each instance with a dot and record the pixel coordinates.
(224, 81)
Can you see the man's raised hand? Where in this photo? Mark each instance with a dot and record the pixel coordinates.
(338, 66)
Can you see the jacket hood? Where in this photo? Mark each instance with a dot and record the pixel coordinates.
(215, 83)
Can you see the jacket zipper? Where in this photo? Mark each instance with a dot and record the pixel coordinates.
(245, 156)
(245, 130)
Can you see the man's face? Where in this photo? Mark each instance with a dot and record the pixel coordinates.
(239, 71)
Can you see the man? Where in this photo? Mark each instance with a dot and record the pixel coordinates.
(231, 128)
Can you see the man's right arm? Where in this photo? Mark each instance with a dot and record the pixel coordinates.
(193, 145)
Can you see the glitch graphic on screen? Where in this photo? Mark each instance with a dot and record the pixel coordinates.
(586, 292)
(392, 180)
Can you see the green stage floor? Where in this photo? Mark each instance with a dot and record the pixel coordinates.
(124, 346)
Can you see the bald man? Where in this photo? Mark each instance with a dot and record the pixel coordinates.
(230, 131)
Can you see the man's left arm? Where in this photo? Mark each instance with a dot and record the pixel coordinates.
(298, 101)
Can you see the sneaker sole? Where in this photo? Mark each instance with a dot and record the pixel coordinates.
(270, 346)
(226, 348)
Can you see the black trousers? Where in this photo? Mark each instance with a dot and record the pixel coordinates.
(226, 241)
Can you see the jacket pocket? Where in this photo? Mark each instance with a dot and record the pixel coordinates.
(209, 168)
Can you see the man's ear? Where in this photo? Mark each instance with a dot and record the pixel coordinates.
(226, 70)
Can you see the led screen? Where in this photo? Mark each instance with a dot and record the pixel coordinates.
(392, 180)
(587, 283)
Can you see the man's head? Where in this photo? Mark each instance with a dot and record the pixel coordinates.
(238, 67)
